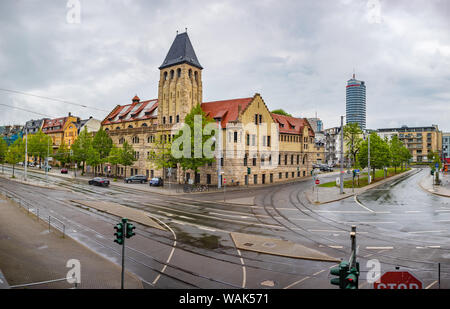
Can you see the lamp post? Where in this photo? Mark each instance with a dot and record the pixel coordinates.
(219, 152)
(341, 176)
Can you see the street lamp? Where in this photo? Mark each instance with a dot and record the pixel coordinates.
(219, 152)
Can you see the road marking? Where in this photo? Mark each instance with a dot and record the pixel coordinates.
(419, 232)
(429, 247)
(336, 247)
(206, 229)
(330, 231)
(442, 210)
(171, 253)
(431, 285)
(319, 272)
(379, 248)
(298, 219)
(244, 272)
(357, 202)
(413, 211)
(232, 216)
(187, 218)
(295, 283)
(42, 247)
(368, 222)
(333, 266)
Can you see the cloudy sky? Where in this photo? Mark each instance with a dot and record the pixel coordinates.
(297, 54)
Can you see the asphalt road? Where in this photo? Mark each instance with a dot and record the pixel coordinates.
(398, 224)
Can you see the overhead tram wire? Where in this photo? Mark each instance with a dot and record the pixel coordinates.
(26, 110)
(52, 99)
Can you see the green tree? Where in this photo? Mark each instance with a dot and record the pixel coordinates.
(379, 153)
(160, 154)
(114, 157)
(93, 158)
(127, 156)
(352, 138)
(81, 148)
(16, 153)
(396, 146)
(3, 152)
(281, 112)
(191, 160)
(102, 143)
(39, 146)
(405, 155)
(63, 154)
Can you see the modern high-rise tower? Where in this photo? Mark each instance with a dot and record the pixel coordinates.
(356, 102)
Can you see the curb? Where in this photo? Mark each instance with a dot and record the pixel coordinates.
(429, 191)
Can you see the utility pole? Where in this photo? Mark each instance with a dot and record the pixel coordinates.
(368, 162)
(219, 155)
(26, 152)
(341, 176)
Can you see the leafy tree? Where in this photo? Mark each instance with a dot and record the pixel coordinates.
(396, 146)
(102, 143)
(160, 155)
(281, 112)
(93, 158)
(63, 154)
(81, 148)
(16, 153)
(39, 145)
(193, 161)
(352, 138)
(127, 156)
(379, 153)
(115, 157)
(3, 151)
(405, 155)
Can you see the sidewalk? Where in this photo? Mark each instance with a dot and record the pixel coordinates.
(426, 183)
(29, 253)
(328, 195)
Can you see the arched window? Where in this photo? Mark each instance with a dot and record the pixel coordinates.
(121, 140)
(135, 140)
(196, 75)
(165, 75)
(117, 128)
(144, 125)
(178, 118)
(171, 74)
(178, 72)
(190, 73)
(106, 129)
(130, 127)
(164, 120)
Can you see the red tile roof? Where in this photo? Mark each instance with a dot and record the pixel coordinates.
(228, 110)
(132, 112)
(291, 125)
(50, 125)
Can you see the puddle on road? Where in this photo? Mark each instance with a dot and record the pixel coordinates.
(204, 241)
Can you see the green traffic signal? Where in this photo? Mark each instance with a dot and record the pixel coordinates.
(341, 271)
(119, 233)
(129, 232)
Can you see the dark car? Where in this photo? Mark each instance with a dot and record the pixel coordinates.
(326, 168)
(156, 182)
(98, 181)
(137, 178)
(64, 171)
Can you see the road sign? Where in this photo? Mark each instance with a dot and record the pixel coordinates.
(338, 181)
(224, 180)
(396, 280)
(317, 181)
(436, 165)
(357, 171)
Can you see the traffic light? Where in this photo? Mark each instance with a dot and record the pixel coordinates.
(432, 171)
(119, 233)
(351, 280)
(130, 228)
(341, 271)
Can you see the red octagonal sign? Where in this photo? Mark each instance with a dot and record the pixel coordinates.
(396, 280)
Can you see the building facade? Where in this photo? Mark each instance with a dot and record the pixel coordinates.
(446, 147)
(61, 130)
(420, 141)
(258, 147)
(356, 102)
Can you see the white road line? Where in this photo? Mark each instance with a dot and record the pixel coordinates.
(442, 210)
(429, 247)
(368, 222)
(330, 231)
(379, 248)
(171, 252)
(431, 285)
(188, 218)
(244, 272)
(295, 283)
(319, 272)
(357, 202)
(420, 232)
(232, 216)
(336, 247)
(413, 211)
(333, 266)
(207, 229)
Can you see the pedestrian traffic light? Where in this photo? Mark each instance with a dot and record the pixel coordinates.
(130, 228)
(351, 280)
(119, 233)
(341, 271)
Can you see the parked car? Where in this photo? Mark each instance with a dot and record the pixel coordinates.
(156, 182)
(64, 170)
(136, 178)
(99, 181)
(30, 164)
(325, 168)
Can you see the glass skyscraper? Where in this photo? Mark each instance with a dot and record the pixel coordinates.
(356, 102)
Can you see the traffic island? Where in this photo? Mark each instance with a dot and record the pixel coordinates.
(275, 246)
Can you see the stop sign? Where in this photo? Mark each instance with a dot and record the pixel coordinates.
(396, 280)
(317, 181)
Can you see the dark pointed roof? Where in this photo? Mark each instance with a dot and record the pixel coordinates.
(181, 51)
